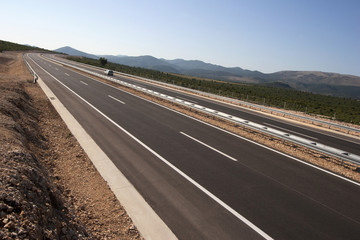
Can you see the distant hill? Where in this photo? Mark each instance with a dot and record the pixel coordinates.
(311, 77)
(317, 82)
(196, 64)
(10, 46)
(333, 84)
(144, 62)
(71, 51)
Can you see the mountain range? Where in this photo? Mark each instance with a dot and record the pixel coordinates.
(311, 81)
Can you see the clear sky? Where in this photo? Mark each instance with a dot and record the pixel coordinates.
(264, 35)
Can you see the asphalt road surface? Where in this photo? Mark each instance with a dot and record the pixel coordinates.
(346, 143)
(206, 183)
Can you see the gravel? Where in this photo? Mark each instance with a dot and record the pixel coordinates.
(49, 189)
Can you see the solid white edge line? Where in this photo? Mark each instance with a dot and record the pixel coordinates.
(233, 134)
(116, 99)
(216, 199)
(150, 225)
(214, 149)
(84, 83)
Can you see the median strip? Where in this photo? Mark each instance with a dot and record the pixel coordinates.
(297, 133)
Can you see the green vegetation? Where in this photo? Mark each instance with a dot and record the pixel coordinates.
(9, 46)
(103, 61)
(344, 109)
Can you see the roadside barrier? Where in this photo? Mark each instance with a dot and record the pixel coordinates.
(284, 136)
(30, 70)
(240, 102)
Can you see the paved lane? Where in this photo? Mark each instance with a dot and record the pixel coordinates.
(322, 136)
(282, 197)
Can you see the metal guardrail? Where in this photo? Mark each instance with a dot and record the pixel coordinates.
(30, 69)
(237, 101)
(343, 155)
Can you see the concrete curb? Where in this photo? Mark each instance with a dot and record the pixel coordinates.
(144, 217)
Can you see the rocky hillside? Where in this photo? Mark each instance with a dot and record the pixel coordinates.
(31, 206)
(49, 189)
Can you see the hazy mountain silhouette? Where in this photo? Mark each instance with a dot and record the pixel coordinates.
(71, 51)
(311, 81)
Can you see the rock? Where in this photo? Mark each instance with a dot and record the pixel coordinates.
(9, 225)
(10, 209)
(2, 214)
(132, 227)
(22, 231)
(3, 206)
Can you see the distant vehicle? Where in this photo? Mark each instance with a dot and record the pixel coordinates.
(109, 72)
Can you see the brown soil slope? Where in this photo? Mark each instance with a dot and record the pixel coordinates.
(48, 187)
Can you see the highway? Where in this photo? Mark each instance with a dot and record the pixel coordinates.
(323, 136)
(206, 183)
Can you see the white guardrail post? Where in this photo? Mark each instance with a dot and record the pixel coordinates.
(30, 70)
(343, 155)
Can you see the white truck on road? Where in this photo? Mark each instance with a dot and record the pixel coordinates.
(109, 72)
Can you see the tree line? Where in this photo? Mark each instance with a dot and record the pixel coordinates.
(342, 109)
(9, 46)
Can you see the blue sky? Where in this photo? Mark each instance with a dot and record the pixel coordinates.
(264, 35)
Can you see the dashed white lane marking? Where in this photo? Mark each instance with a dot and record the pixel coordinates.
(84, 83)
(116, 99)
(67, 74)
(214, 149)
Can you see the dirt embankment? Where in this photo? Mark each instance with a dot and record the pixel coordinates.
(48, 187)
